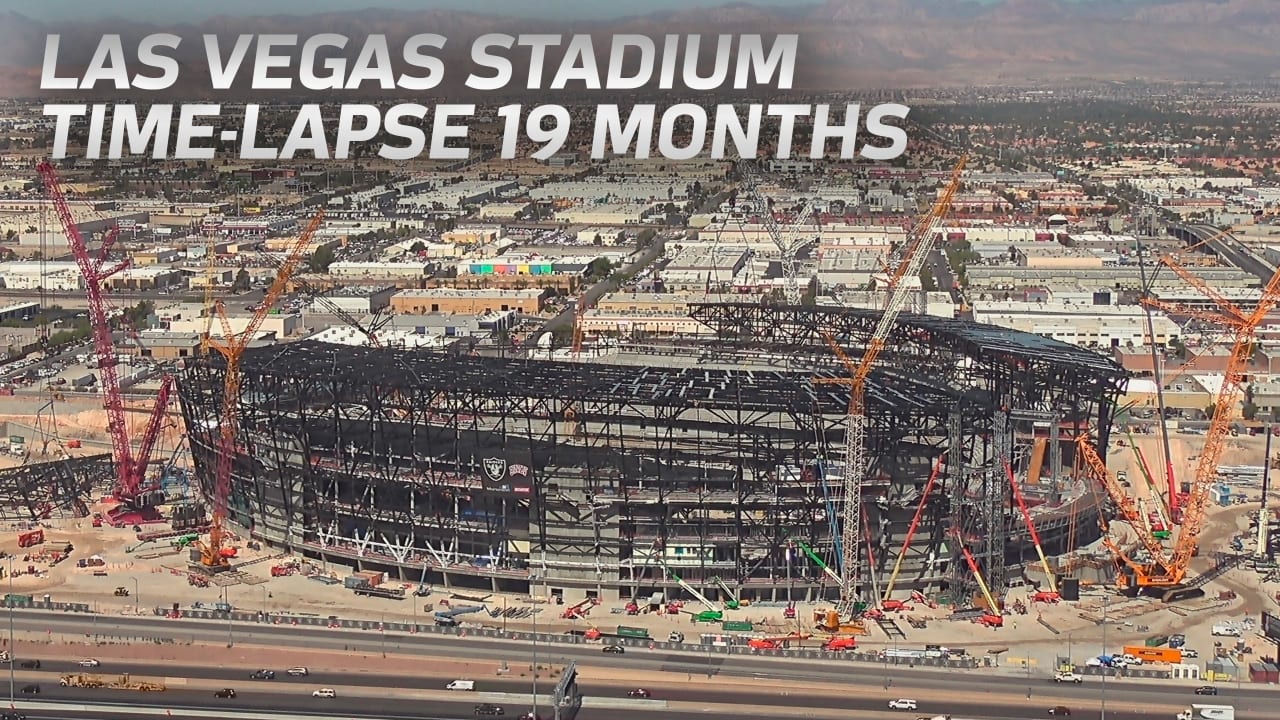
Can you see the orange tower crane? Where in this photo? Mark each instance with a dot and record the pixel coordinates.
(921, 244)
(213, 554)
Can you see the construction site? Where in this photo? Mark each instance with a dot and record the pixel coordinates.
(812, 472)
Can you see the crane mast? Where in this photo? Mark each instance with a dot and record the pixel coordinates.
(131, 468)
(855, 465)
(232, 346)
(790, 243)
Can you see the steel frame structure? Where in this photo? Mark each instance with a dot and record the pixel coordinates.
(462, 466)
(58, 488)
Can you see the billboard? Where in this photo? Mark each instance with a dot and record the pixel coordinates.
(1271, 627)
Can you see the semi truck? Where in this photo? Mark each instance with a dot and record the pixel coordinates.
(1208, 712)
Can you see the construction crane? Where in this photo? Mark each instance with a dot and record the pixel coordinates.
(210, 272)
(369, 330)
(231, 346)
(1031, 528)
(131, 467)
(911, 530)
(790, 244)
(920, 245)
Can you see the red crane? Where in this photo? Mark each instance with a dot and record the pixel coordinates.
(131, 469)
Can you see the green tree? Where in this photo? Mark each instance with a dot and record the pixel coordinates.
(927, 282)
(417, 247)
(242, 282)
(321, 259)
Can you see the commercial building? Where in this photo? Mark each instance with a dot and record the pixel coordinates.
(467, 302)
(1081, 324)
(353, 300)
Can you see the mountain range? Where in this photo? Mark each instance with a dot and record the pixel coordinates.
(845, 44)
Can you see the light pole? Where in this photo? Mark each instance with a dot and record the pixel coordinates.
(13, 651)
(504, 615)
(532, 580)
(382, 634)
(1106, 599)
(226, 601)
(135, 595)
(1027, 662)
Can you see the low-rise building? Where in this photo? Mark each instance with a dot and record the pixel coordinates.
(353, 300)
(1082, 324)
(468, 302)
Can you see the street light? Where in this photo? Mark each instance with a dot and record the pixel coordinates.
(135, 595)
(13, 651)
(1106, 599)
(532, 580)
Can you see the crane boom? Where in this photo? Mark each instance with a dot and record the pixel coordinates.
(915, 525)
(232, 346)
(1031, 528)
(131, 468)
(855, 466)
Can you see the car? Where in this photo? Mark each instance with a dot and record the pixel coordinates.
(1206, 690)
(1190, 653)
(1070, 677)
(1060, 710)
(489, 709)
(530, 716)
(31, 664)
(325, 693)
(225, 693)
(638, 693)
(32, 689)
(89, 662)
(263, 675)
(298, 672)
(12, 716)
(613, 649)
(902, 704)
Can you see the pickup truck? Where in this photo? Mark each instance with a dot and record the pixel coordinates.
(1061, 677)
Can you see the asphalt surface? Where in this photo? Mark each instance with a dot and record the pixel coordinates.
(677, 663)
(188, 703)
(771, 694)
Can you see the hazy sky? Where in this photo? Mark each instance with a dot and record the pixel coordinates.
(161, 11)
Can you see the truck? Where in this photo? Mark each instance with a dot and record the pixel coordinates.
(1154, 654)
(80, 680)
(379, 591)
(1208, 712)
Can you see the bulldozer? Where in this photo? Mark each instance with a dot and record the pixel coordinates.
(122, 592)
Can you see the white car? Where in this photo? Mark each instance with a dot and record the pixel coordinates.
(89, 662)
(902, 704)
(1190, 653)
(324, 693)
(297, 671)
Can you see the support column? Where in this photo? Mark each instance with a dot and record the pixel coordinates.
(996, 503)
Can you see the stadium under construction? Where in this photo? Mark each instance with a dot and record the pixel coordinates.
(715, 460)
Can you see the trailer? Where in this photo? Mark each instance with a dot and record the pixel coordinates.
(1208, 712)
(80, 680)
(381, 592)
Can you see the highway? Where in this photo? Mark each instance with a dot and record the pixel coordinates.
(866, 675)
(277, 699)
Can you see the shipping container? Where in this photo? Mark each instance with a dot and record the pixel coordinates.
(736, 626)
(632, 632)
(1154, 654)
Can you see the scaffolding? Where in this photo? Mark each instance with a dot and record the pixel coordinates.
(400, 460)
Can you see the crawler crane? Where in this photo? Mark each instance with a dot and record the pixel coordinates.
(855, 465)
(214, 553)
(130, 466)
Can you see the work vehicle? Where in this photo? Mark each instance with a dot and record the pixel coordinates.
(89, 662)
(675, 637)
(1060, 710)
(840, 643)
(325, 693)
(1070, 677)
(1226, 630)
(81, 681)
(1206, 690)
(638, 693)
(489, 709)
(1208, 712)
(903, 704)
(298, 672)
(122, 592)
(225, 693)
(263, 675)
(613, 649)
(463, 685)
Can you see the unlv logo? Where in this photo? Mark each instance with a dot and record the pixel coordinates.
(494, 468)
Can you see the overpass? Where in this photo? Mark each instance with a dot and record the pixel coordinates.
(1226, 247)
